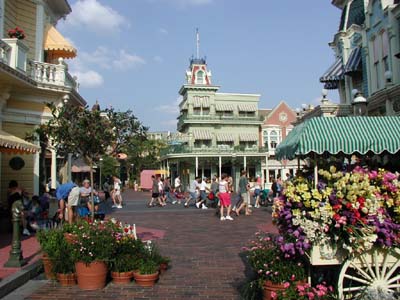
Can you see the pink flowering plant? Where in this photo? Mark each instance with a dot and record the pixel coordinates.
(304, 291)
(269, 263)
(353, 210)
(16, 33)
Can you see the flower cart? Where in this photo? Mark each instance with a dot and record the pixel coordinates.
(345, 215)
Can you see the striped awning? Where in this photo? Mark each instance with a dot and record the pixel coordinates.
(225, 137)
(11, 144)
(248, 136)
(201, 101)
(202, 135)
(247, 107)
(331, 85)
(184, 106)
(224, 107)
(334, 73)
(354, 62)
(346, 135)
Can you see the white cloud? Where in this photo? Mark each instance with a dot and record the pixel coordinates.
(126, 61)
(93, 16)
(163, 31)
(158, 59)
(88, 79)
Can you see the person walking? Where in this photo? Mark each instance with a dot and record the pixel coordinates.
(155, 195)
(203, 194)
(224, 198)
(244, 194)
(177, 190)
(117, 192)
(168, 190)
(193, 191)
(257, 191)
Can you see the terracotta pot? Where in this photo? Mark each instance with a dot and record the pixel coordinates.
(91, 276)
(121, 277)
(70, 237)
(66, 279)
(48, 267)
(146, 280)
(163, 267)
(270, 287)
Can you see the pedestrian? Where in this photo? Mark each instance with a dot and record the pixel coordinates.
(214, 191)
(203, 194)
(178, 185)
(161, 191)
(244, 194)
(279, 186)
(257, 191)
(117, 192)
(155, 194)
(168, 190)
(193, 191)
(224, 198)
(85, 194)
(68, 195)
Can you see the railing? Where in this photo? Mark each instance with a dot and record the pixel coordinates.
(182, 149)
(5, 51)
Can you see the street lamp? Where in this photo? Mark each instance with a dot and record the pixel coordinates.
(101, 161)
(360, 105)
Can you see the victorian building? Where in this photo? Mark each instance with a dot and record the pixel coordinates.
(33, 71)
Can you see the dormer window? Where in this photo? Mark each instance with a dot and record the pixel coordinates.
(200, 77)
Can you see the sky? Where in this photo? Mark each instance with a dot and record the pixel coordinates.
(133, 54)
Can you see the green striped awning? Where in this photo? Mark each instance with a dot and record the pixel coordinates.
(346, 135)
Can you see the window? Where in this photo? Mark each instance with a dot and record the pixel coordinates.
(265, 139)
(200, 77)
(197, 111)
(202, 143)
(273, 137)
(206, 111)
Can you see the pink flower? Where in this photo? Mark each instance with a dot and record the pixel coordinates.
(286, 285)
(273, 295)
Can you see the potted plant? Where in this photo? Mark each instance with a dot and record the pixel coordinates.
(16, 33)
(272, 267)
(49, 242)
(91, 250)
(304, 291)
(155, 255)
(63, 264)
(147, 274)
(164, 264)
(128, 252)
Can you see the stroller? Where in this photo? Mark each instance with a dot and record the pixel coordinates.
(266, 197)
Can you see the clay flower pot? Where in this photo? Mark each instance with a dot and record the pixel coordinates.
(91, 276)
(121, 277)
(66, 279)
(270, 287)
(146, 280)
(48, 267)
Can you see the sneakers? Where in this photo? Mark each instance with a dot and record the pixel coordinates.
(222, 218)
(198, 204)
(174, 202)
(186, 205)
(114, 206)
(256, 206)
(250, 205)
(26, 232)
(35, 226)
(229, 218)
(119, 206)
(204, 207)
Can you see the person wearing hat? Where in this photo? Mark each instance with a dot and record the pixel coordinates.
(85, 193)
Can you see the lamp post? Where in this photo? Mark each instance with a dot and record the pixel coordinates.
(101, 162)
(359, 104)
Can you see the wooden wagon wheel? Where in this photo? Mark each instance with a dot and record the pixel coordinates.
(377, 270)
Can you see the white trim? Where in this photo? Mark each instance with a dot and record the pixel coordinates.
(40, 18)
(36, 172)
(2, 18)
(237, 94)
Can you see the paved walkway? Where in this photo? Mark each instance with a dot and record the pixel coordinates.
(205, 253)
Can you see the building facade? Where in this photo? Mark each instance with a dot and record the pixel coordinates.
(33, 72)
(218, 132)
(367, 47)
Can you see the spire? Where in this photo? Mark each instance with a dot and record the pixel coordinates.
(197, 43)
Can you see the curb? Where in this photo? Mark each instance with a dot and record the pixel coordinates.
(21, 277)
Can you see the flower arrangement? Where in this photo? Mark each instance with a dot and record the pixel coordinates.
(304, 291)
(267, 260)
(16, 33)
(354, 210)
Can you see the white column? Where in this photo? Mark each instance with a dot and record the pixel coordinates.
(168, 168)
(36, 172)
(2, 18)
(245, 162)
(53, 169)
(267, 168)
(220, 167)
(69, 167)
(39, 31)
(197, 166)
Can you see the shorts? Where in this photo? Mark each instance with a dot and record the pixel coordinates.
(245, 197)
(257, 192)
(73, 197)
(225, 199)
(193, 195)
(155, 195)
(117, 192)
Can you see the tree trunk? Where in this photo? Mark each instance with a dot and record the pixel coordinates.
(91, 190)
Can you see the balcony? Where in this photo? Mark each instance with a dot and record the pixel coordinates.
(213, 150)
(215, 119)
(14, 53)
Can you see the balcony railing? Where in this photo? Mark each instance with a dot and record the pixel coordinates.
(182, 149)
(14, 53)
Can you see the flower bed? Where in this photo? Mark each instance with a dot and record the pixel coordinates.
(353, 211)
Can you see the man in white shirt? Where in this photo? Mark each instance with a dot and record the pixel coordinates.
(203, 194)
(194, 187)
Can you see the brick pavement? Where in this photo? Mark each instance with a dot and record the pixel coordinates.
(204, 251)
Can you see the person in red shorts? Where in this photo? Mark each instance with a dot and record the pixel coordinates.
(224, 198)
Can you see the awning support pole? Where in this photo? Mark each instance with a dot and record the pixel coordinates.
(219, 167)
(315, 172)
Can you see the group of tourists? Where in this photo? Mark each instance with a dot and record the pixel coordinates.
(218, 194)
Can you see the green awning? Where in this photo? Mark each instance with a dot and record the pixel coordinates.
(346, 135)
